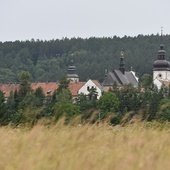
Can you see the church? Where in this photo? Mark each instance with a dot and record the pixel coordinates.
(161, 69)
(120, 76)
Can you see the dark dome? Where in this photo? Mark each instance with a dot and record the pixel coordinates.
(161, 64)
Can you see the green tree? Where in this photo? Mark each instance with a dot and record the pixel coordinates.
(128, 97)
(40, 97)
(83, 102)
(2, 107)
(10, 107)
(65, 106)
(63, 84)
(24, 87)
(147, 81)
(109, 102)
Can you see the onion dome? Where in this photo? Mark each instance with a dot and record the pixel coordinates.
(161, 63)
(71, 71)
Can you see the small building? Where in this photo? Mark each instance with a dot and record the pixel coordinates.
(91, 85)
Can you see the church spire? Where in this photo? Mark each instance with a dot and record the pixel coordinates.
(161, 39)
(161, 64)
(122, 63)
(161, 52)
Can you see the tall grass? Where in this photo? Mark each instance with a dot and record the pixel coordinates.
(86, 147)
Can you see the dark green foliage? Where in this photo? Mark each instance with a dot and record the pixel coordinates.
(83, 102)
(2, 108)
(10, 107)
(63, 84)
(69, 110)
(65, 106)
(146, 81)
(115, 118)
(48, 60)
(24, 86)
(40, 97)
(165, 116)
(164, 110)
(129, 98)
(109, 102)
(28, 101)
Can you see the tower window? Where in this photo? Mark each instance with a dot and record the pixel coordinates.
(159, 75)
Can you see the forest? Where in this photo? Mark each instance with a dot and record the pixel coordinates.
(48, 60)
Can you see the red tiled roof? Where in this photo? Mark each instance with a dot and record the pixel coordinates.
(166, 83)
(7, 88)
(96, 82)
(74, 87)
(48, 88)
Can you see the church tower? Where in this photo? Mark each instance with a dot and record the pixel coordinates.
(72, 73)
(122, 63)
(161, 67)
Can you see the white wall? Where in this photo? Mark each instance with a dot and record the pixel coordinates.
(157, 83)
(90, 84)
(165, 75)
(73, 79)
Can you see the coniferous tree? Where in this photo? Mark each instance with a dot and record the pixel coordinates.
(2, 107)
(24, 87)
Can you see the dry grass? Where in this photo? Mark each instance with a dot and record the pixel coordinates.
(87, 147)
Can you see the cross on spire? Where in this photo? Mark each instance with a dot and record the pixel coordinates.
(161, 36)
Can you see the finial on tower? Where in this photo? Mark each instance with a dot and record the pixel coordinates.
(161, 36)
(161, 31)
(122, 63)
(122, 53)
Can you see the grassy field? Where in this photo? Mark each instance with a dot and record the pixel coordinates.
(86, 147)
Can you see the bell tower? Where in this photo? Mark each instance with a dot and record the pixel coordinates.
(72, 73)
(161, 67)
(122, 63)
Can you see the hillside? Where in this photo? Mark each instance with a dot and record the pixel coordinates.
(48, 60)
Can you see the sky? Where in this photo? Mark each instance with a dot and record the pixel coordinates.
(56, 19)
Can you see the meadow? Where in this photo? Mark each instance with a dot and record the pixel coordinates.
(141, 146)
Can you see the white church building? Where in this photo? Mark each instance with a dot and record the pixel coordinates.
(161, 69)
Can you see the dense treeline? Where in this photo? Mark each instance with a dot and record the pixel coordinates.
(48, 60)
(117, 106)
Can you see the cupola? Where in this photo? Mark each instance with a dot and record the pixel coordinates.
(161, 63)
(72, 73)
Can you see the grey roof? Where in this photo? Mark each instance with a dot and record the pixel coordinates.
(120, 78)
(131, 78)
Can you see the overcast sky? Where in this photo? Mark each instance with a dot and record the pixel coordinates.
(54, 19)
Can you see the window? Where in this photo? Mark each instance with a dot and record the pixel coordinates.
(160, 75)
